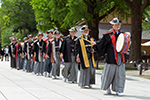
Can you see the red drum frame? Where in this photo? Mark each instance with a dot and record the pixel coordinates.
(124, 39)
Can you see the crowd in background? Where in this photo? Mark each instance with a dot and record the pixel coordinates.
(4, 53)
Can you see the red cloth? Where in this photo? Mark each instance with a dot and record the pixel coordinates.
(113, 38)
(17, 45)
(45, 40)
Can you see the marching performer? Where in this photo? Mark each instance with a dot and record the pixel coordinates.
(114, 70)
(47, 63)
(55, 55)
(18, 54)
(12, 57)
(39, 49)
(70, 71)
(28, 51)
(85, 55)
(32, 53)
(25, 57)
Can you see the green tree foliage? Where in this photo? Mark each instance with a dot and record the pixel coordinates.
(20, 13)
(50, 14)
(64, 14)
(17, 16)
(5, 35)
(146, 18)
(92, 12)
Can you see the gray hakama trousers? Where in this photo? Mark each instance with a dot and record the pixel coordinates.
(39, 66)
(87, 76)
(25, 64)
(21, 63)
(32, 65)
(18, 64)
(47, 65)
(56, 65)
(70, 71)
(115, 75)
(36, 65)
(29, 64)
(12, 62)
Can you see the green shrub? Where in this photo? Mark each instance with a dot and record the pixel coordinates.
(131, 68)
(127, 68)
(101, 67)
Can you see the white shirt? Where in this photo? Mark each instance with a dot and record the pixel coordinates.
(6, 50)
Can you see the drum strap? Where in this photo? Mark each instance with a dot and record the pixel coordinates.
(113, 38)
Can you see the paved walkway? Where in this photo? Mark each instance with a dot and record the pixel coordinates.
(19, 85)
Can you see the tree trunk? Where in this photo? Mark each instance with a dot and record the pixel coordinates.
(94, 22)
(65, 32)
(24, 31)
(20, 30)
(94, 29)
(136, 31)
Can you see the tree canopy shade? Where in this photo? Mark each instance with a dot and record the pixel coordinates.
(16, 16)
(20, 13)
(136, 7)
(51, 13)
(64, 14)
(146, 17)
(93, 11)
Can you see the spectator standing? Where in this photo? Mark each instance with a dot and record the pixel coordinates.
(2, 53)
(6, 54)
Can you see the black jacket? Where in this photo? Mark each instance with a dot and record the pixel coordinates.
(79, 51)
(36, 48)
(19, 49)
(2, 52)
(30, 47)
(104, 47)
(66, 48)
(11, 51)
(49, 48)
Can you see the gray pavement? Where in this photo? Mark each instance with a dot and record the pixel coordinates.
(19, 85)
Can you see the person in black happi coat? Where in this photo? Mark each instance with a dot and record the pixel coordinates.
(114, 70)
(18, 54)
(84, 52)
(70, 71)
(28, 51)
(12, 57)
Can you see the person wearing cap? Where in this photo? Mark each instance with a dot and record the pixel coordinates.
(36, 64)
(70, 71)
(47, 63)
(25, 57)
(114, 70)
(84, 52)
(39, 49)
(32, 53)
(55, 55)
(28, 51)
(18, 53)
(11, 49)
